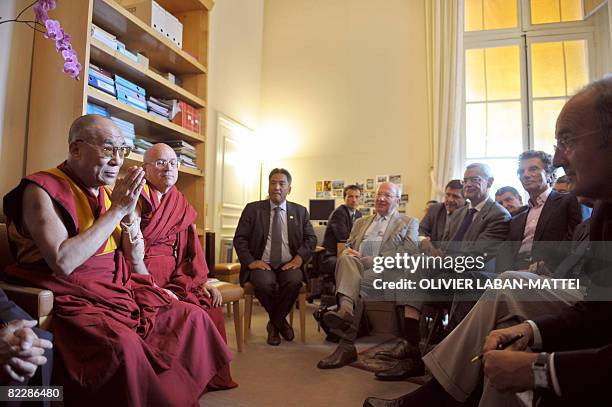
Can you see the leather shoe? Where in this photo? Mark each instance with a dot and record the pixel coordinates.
(402, 370)
(338, 321)
(273, 338)
(286, 331)
(401, 350)
(340, 357)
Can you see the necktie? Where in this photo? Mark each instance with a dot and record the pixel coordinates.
(276, 241)
(353, 217)
(467, 221)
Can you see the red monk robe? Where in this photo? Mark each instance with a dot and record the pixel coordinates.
(167, 225)
(122, 341)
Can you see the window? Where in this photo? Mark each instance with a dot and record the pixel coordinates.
(523, 60)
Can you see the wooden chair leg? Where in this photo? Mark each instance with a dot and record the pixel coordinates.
(302, 302)
(238, 324)
(248, 310)
(291, 317)
(229, 310)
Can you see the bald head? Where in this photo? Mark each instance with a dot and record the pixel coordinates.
(161, 167)
(87, 127)
(158, 151)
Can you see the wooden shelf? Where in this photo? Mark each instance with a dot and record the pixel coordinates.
(181, 6)
(116, 62)
(138, 36)
(145, 124)
(137, 158)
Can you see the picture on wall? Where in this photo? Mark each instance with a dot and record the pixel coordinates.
(338, 184)
(369, 184)
(319, 186)
(396, 179)
(360, 185)
(404, 198)
(327, 186)
(369, 199)
(320, 195)
(338, 193)
(381, 178)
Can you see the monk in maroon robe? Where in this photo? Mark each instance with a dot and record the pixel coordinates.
(122, 341)
(173, 254)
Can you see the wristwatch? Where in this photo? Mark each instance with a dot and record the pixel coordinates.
(540, 371)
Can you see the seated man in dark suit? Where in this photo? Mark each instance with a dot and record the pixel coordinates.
(509, 198)
(274, 238)
(23, 348)
(537, 233)
(339, 226)
(562, 185)
(431, 228)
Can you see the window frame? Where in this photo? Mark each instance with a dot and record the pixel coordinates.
(524, 35)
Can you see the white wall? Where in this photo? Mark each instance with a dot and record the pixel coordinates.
(16, 42)
(344, 93)
(234, 82)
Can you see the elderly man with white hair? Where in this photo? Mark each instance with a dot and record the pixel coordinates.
(384, 233)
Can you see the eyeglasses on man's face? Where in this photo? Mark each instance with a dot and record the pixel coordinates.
(567, 141)
(386, 195)
(473, 180)
(108, 151)
(161, 163)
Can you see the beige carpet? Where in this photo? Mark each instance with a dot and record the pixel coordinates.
(287, 375)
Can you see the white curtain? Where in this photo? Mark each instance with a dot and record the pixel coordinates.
(444, 31)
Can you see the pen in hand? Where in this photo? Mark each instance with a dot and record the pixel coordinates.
(500, 346)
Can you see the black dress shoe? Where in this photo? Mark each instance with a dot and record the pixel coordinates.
(287, 332)
(401, 350)
(403, 369)
(340, 357)
(273, 338)
(338, 321)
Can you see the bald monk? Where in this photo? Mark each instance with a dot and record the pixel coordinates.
(173, 253)
(121, 340)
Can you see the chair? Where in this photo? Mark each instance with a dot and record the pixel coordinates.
(249, 293)
(230, 273)
(232, 294)
(37, 302)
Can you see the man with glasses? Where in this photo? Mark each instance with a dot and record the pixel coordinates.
(122, 340)
(385, 233)
(173, 253)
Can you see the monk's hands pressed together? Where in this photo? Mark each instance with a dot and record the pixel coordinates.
(127, 190)
(295, 263)
(259, 265)
(21, 351)
(213, 292)
(509, 371)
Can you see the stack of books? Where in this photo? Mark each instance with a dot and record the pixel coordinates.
(130, 93)
(101, 79)
(140, 145)
(184, 115)
(127, 129)
(158, 108)
(92, 108)
(105, 37)
(185, 152)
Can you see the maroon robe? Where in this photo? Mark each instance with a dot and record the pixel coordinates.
(174, 257)
(122, 341)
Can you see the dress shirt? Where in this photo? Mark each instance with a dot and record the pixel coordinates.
(372, 239)
(535, 210)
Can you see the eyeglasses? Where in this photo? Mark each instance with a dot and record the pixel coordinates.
(161, 163)
(566, 141)
(110, 151)
(473, 180)
(386, 195)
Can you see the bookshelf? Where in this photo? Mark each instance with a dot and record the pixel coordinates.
(56, 99)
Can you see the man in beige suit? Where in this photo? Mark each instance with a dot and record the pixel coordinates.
(385, 233)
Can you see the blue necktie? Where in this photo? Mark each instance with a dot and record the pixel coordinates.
(465, 225)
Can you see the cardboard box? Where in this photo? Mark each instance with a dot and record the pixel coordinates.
(149, 12)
